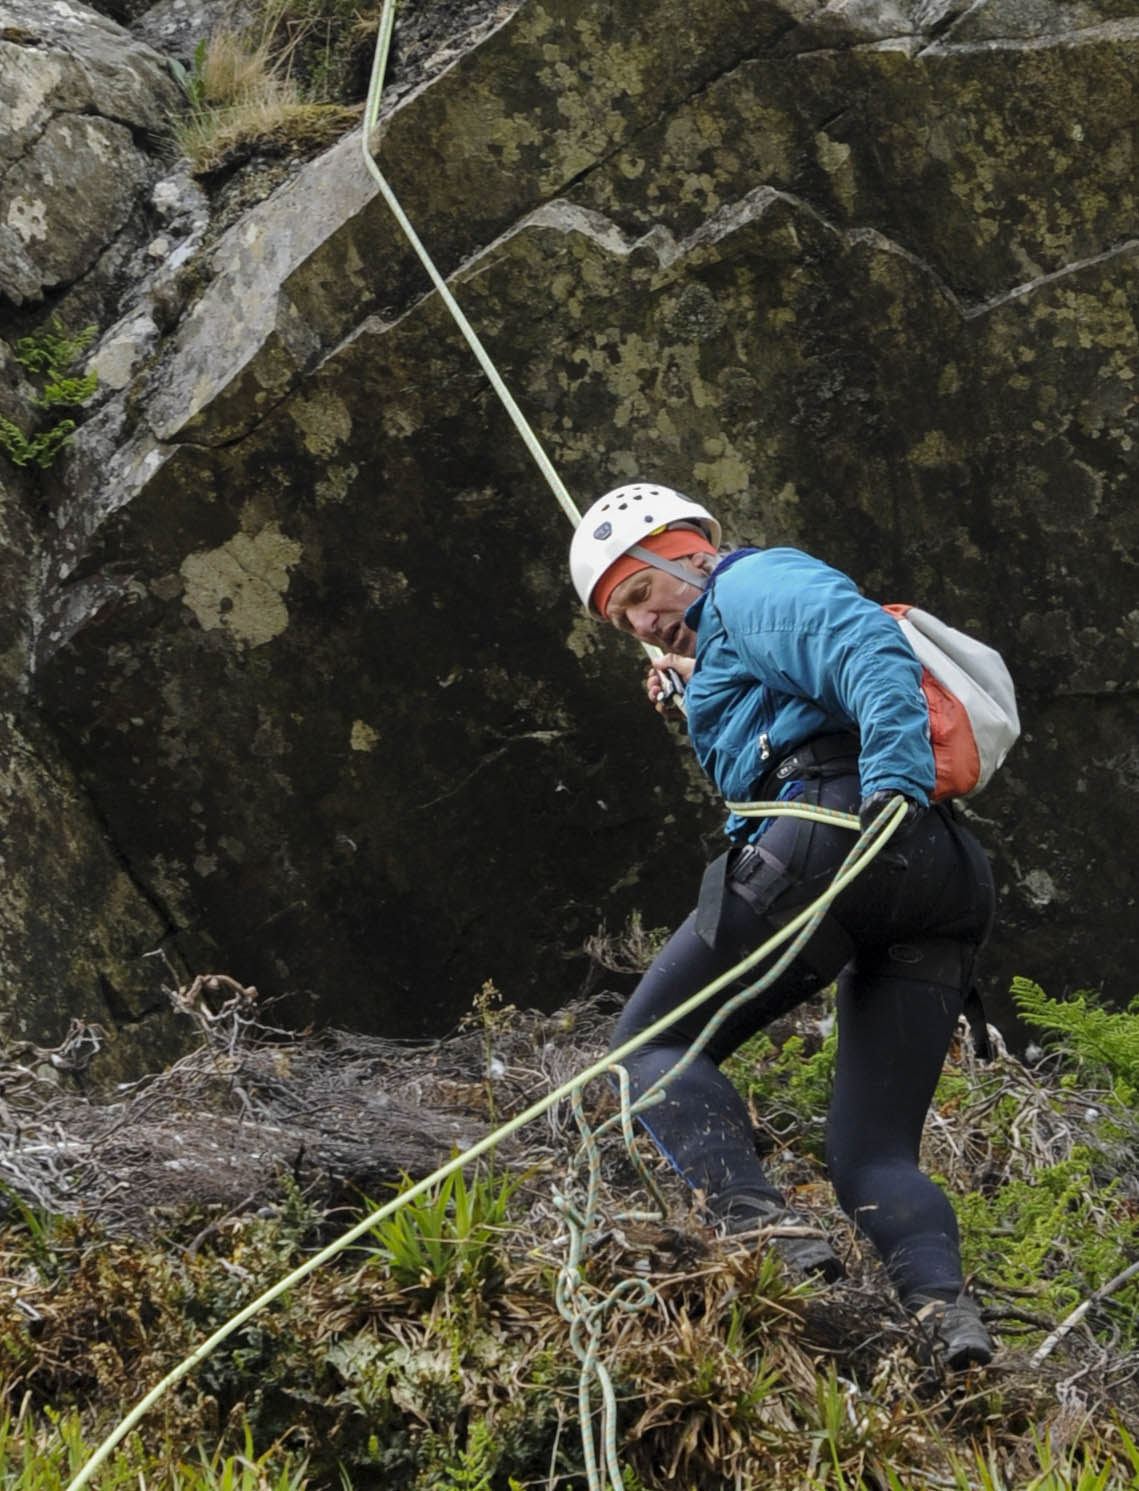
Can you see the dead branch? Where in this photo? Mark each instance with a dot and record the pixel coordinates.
(1070, 1322)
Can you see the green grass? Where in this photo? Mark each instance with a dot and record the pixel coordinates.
(44, 1451)
(449, 1236)
(435, 1358)
(267, 87)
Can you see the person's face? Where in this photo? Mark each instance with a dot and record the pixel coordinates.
(650, 606)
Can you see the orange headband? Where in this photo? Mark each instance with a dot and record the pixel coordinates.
(673, 543)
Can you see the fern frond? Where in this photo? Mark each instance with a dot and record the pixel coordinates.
(1103, 1037)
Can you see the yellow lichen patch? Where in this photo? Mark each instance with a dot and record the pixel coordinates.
(324, 421)
(964, 544)
(727, 474)
(834, 157)
(785, 502)
(698, 186)
(665, 426)
(363, 737)
(931, 450)
(506, 137)
(336, 484)
(627, 366)
(583, 635)
(691, 134)
(241, 586)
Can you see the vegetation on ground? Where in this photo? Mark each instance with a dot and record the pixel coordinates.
(1102, 1042)
(439, 1352)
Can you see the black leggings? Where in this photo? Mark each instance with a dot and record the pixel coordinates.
(902, 943)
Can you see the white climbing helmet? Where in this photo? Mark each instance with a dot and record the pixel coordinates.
(620, 520)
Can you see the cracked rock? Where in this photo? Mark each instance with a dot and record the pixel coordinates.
(175, 27)
(1030, 20)
(84, 106)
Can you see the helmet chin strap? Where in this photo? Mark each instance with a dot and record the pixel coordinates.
(670, 567)
(674, 684)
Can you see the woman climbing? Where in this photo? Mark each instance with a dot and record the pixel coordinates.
(797, 687)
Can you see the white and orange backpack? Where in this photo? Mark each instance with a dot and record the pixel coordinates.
(973, 720)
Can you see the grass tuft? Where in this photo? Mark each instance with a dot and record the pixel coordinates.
(244, 97)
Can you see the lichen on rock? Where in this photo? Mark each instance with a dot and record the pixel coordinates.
(241, 586)
(861, 275)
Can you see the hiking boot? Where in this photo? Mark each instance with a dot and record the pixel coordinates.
(802, 1246)
(953, 1329)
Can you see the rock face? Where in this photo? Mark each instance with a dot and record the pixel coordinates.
(84, 108)
(861, 275)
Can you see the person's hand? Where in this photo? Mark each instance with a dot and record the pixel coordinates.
(658, 687)
(874, 802)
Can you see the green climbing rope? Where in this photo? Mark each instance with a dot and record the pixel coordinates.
(586, 1316)
(474, 342)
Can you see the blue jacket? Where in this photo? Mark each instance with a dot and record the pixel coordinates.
(786, 649)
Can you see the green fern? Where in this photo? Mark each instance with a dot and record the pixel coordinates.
(473, 1467)
(48, 356)
(54, 349)
(41, 448)
(1108, 1039)
(1058, 1231)
(784, 1083)
(67, 391)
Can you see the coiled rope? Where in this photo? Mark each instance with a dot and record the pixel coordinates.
(586, 1314)
(581, 1304)
(799, 928)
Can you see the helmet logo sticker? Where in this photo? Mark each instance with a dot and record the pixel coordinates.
(603, 531)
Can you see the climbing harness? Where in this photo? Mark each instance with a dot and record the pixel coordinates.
(580, 1304)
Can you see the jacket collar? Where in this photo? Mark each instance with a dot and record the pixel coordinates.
(695, 610)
